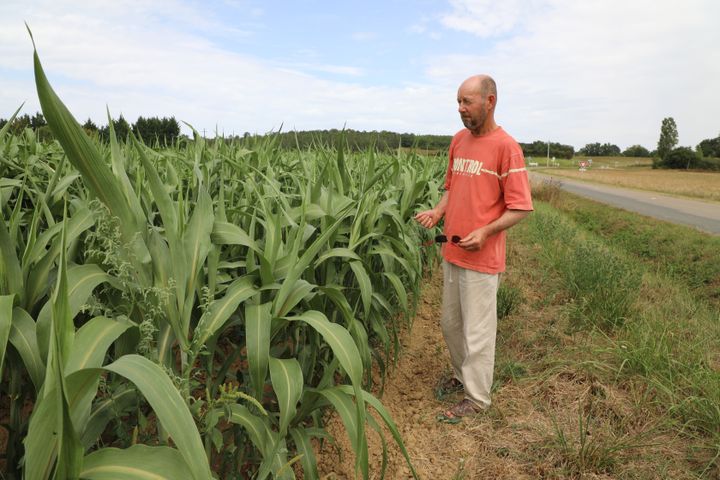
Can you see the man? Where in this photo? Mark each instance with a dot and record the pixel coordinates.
(487, 191)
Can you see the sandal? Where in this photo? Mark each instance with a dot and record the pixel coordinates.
(462, 409)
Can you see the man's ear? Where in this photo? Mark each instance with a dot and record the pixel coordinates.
(492, 99)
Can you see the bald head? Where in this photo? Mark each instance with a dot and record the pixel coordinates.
(482, 84)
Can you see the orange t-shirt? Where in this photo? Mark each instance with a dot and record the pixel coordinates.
(486, 175)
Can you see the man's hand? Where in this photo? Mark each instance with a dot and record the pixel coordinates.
(474, 240)
(428, 218)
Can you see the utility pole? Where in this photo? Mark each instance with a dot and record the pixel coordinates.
(548, 154)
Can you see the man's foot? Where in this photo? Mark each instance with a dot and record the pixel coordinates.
(461, 409)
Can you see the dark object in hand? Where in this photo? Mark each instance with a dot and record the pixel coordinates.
(443, 239)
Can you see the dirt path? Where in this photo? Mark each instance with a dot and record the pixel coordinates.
(482, 447)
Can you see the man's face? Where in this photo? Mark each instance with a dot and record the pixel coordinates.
(473, 108)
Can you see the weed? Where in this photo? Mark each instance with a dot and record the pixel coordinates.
(602, 284)
(509, 298)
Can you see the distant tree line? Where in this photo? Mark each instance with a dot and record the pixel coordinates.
(387, 141)
(151, 129)
(547, 149)
(356, 140)
(37, 123)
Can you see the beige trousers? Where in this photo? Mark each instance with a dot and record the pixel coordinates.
(469, 325)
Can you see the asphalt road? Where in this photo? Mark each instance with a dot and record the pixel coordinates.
(704, 216)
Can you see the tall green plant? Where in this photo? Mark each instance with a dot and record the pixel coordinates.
(232, 292)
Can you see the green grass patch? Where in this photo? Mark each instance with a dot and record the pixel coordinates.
(640, 297)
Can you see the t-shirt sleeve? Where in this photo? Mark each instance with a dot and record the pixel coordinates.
(514, 179)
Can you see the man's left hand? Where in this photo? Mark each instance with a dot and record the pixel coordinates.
(474, 240)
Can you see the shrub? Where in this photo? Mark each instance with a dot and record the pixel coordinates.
(681, 157)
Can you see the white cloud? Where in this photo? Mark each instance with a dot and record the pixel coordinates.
(610, 71)
(488, 18)
(573, 72)
(131, 61)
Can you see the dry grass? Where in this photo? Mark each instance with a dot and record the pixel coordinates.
(563, 417)
(703, 185)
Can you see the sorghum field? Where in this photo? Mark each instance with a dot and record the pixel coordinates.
(193, 310)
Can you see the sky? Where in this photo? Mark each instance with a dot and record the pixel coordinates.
(568, 71)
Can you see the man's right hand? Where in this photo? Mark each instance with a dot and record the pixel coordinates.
(428, 218)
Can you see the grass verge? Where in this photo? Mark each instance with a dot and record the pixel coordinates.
(635, 309)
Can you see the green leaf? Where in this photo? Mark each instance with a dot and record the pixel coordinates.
(170, 408)
(118, 168)
(23, 338)
(89, 349)
(339, 340)
(42, 437)
(7, 126)
(353, 425)
(365, 284)
(221, 309)
(254, 425)
(300, 290)
(345, 253)
(274, 454)
(162, 198)
(92, 341)
(139, 462)
(304, 261)
(225, 233)
(370, 399)
(82, 280)
(287, 380)
(196, 246)
(62, 335)
(83, 154)
(304, 447)
(258, 321)
(163, 271)
(348, 355)
(10, 272)
(38, 272)
(399, 289)
(105, 410)
(6, 315)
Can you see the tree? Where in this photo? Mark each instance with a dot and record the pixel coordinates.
(37, 121)
(711, 147)
(668, 137)
(636, 151)
(90, 126)
(122, 129)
